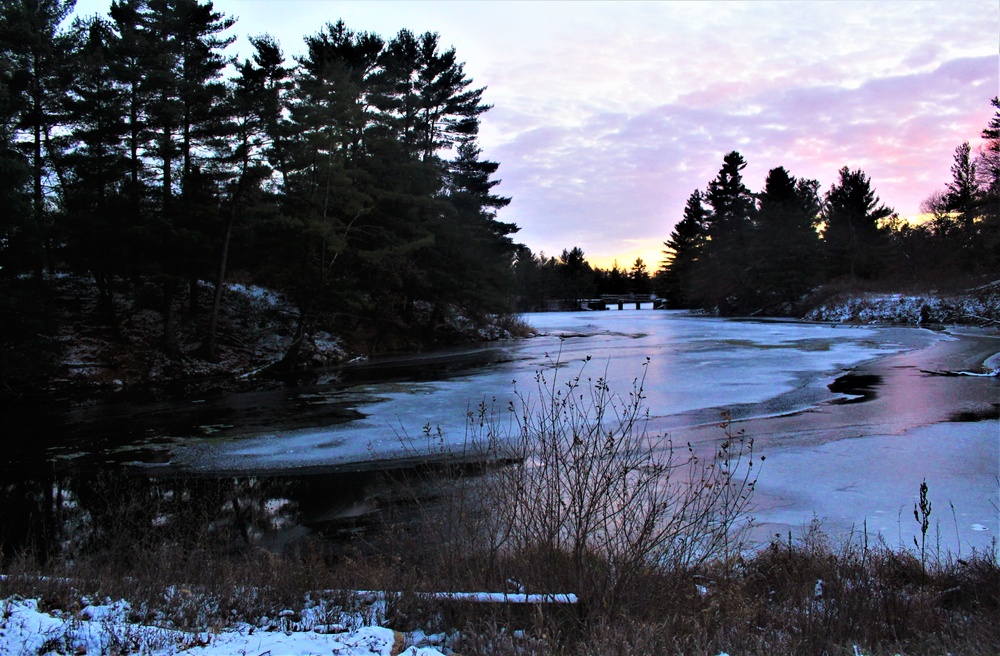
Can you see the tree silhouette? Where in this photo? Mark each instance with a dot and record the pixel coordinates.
(854, 239)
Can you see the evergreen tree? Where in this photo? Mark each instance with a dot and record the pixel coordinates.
(988, 171)
(617, 280)
(182, 82)
(854, 240)
(963, 191)
(958, 213)
(785, 246)
(15, 180)
(639, 277)
(535, 280)
(98, 220)
(131, 58)
(576, 275)
(321, 153)
(721, 280)
(36, 49)
(253, 104)
(32, 60)
(675, 278)
(203, 124)
(425, 97)
(475, 249)
(449, 108)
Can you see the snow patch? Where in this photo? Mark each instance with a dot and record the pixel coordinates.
(106, 628)
(910, 309)
(256, 293)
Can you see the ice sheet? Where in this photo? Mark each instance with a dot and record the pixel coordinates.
(696, 366)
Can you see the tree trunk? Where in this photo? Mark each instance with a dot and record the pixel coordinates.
(170, 345)
(290, 361)
(106, 300)
(208, 345)
(194, 307)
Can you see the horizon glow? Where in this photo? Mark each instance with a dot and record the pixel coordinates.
(607, 115)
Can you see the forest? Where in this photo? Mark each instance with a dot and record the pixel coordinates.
(738, 252)
(741, 252)
(135, 153)
(137, 156)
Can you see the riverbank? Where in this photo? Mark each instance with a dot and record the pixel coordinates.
(979, 306)
(101, 353)
(107, 354)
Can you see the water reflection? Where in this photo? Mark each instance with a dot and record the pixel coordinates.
(119, 510)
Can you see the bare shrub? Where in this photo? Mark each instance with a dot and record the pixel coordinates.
(584, 499)
(514, 325)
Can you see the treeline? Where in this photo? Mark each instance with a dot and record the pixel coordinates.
(740, 252)
(543, 282)
(133, 150)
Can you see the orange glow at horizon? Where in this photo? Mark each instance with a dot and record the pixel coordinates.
(651, 257)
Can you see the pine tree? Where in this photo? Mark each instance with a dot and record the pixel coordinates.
(182, 89)
(131, 58)
(963, 191)
(32, 79)
(576, 275)
(639, 277)
(675, 278)
(474, 248)
(721, 280)
(99, 223)
(854, 240)
(253, 105)
(15, 180)
(37, 49)
(987, 165)
(785, 246)
(321, 150)
(617, 280)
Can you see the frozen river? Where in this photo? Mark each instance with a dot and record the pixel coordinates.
(697, 367)
(848, 421)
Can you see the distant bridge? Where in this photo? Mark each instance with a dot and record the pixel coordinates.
(606, 301)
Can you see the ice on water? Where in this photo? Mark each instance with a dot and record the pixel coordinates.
(694, 364)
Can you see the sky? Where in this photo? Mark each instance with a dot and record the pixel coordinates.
(607, 115)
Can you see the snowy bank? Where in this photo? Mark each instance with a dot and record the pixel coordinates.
(112, 627)
(977, 307)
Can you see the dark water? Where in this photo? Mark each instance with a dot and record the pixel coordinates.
(858, 388)
(68, 476)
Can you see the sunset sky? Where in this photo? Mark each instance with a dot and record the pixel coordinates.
(607, 115)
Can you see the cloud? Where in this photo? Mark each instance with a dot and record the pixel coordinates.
(608, 114)
(615, 178)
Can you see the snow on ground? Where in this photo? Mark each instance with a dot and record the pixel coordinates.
(257, 293)
(909, 309)
(105, 628)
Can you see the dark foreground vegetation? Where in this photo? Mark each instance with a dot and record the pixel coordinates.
(884, 601)
(579, 499)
